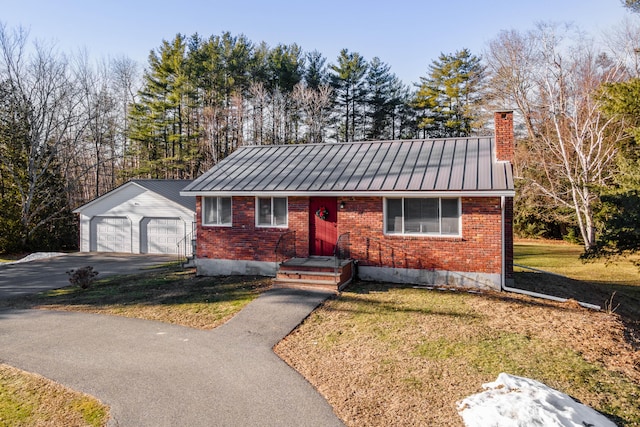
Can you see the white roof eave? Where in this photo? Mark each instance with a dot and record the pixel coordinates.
(464, 193)
(106, 195)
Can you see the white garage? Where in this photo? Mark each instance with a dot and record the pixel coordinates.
(160, 235)
(141, 216)
(111, 234)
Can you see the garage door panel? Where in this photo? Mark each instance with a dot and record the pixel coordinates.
(111, 234)
(161, 235)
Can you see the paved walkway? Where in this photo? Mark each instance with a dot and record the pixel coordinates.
(155, 374)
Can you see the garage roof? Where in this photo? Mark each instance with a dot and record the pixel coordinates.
(454, 165)
(170, 189)
(167, 188)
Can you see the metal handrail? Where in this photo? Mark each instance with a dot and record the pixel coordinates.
(185, 244)
(342, 250)
(288, 237)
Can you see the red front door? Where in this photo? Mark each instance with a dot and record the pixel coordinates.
(323, 225)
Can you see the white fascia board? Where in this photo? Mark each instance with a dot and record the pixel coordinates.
(142, 187)
(468, 193)
(107, 194)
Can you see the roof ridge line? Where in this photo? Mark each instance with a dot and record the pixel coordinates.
(374, 141)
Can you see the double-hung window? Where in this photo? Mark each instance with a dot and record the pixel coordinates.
(433, 216)
(271, 212)
(216, 211)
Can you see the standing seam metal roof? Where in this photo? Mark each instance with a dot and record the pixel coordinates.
(435, 165)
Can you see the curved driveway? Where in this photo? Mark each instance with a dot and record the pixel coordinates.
(50, 273)
(156, 374)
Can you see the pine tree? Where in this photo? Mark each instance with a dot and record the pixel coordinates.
(285, 71)
(632, 5)
(619, 213)
(316, 72)
(449, 96)
(383, 99)
(164, 128)
(233, 63)
(348, 82)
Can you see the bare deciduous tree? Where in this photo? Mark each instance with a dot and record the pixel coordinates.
(43, 104)
(314, 104)
(126, 83)
(555, 91)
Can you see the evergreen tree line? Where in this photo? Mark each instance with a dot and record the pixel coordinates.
(71, 130)
(202, 98)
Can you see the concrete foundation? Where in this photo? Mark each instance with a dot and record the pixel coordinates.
(228, 267)
(430, 277)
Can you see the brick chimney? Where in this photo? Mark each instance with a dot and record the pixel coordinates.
(505, 151)
(505, 141)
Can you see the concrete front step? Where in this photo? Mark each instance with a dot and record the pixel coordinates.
(318, 272)
(315, 284)
(324, 276)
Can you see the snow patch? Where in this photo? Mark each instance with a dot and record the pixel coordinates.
(35, 256)
(513, 401)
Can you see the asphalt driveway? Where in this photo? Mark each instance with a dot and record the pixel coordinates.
(50, 273)
(156, 374)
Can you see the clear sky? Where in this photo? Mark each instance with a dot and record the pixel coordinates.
(406, 34)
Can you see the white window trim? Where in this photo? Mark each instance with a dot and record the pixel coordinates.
(429, 235)
(257, 213)
(204, 217)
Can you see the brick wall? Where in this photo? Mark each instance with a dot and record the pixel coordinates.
(245, 241)
(477, 250)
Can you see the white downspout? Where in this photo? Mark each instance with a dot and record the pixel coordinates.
(503, 248)
(522, 291)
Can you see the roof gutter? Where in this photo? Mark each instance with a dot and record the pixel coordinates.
(416, 193)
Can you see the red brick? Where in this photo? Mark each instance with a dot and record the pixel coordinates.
(478, 249)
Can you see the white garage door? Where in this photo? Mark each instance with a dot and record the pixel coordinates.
(161, 235)
(111, 234)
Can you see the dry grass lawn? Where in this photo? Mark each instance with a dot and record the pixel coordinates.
(31, 400)
(403, 356)
(168, 294)
(389, 355)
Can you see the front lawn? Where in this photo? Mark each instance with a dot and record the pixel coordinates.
(613, 286)
(31, 400)
(398, 355)
(167, 294)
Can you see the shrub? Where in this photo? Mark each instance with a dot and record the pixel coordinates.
(82, 277)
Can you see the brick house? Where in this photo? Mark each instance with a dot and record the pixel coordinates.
(417, 211)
